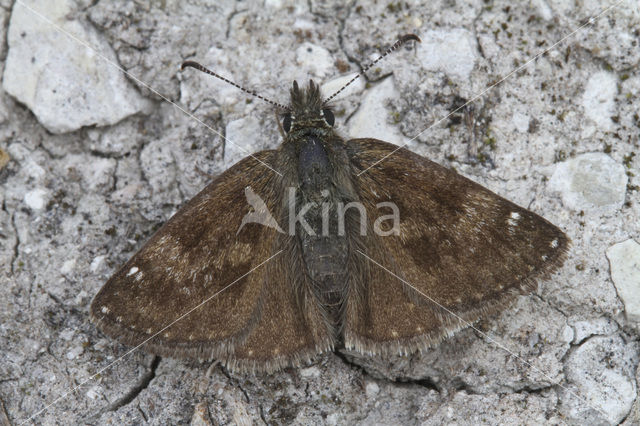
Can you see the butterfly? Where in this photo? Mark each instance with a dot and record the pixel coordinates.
(325, 243)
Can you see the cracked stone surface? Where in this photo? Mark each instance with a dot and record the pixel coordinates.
(77, 201)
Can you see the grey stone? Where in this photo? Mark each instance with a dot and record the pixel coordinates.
(584, 329)
(36, 198)
(372, 118)
(65, 84)
(158, 165)
(590, 182)
(453, 52)
(598, 99)
(241, 139)
(624, 259)
(602, 375)
(634, 415)
(314, 60)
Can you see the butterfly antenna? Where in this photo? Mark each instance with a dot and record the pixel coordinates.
(405, 38)
(205, 70)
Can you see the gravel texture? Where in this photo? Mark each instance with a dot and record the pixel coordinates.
(93, 160)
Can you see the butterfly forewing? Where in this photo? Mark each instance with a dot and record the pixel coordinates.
(459, 244)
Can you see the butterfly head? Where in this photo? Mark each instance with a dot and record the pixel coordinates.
(307, 110)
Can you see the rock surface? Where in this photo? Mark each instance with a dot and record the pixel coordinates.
(97, 165)
(452, 52)
(624, 259)
(591, 181)
(598, 99)
(373, 119)
(241, 135)
(65, 84)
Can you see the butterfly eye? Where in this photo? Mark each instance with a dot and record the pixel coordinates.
(286, 122)
(328, 116)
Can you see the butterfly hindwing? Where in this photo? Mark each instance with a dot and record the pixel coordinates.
(467, 249)
(292, 328)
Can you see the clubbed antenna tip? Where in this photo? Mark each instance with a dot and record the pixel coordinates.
(402, 40)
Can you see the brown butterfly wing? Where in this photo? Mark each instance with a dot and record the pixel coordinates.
(292, 328)
(196, 257)
(461, 253)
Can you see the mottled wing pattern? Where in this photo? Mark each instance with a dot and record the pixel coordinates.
(467, 249)
(197, 256)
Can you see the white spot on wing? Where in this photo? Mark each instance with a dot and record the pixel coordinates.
(513, 219)
(553, 244)
(104, 310)
(133, 270)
